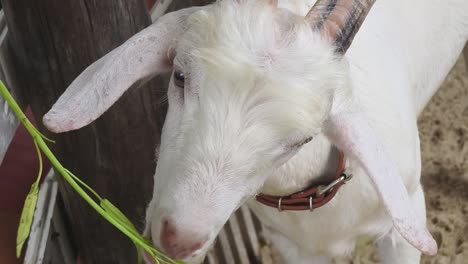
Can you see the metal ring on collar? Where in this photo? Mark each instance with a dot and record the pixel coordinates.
(279, 204)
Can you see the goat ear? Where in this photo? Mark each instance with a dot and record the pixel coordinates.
(103, 82)
(352, 133)
(339, 20)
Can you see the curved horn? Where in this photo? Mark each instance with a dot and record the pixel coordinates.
(339, 20)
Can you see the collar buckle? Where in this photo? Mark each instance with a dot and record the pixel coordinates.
(310, 198)
(322, 189)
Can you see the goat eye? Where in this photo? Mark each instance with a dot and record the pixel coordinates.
(307, 140)
(179, 79)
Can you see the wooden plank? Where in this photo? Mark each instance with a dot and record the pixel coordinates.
(8, 121)
(8, 67)
(8, 126)
(211, 257)
(52, 42)
(48, 231)
(250, 229)
(238, 241)
(42, 221)
(226, 248)
(241, 247)
(48, 242)
(61, 236)
(52, 254)
(2, 21)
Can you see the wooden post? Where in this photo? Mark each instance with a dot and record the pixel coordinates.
(52, 42)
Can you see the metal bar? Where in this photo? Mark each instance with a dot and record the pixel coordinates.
(8, 121)
(47, 224)
(251, 232)
(2, 21)
(8, 126)
(211, 257)
(238, 241)
(226, 247)
(42, 219)
(64, 243)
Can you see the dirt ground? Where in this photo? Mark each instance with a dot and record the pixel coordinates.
(444, 140)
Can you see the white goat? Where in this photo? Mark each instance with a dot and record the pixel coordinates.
(252, 82)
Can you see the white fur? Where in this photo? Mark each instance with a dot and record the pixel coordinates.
(255, 87)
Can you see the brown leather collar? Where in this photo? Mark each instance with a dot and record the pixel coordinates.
(313, 197)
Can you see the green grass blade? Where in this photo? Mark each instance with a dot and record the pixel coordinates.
(26, 219)
(84, 184)
(118, 215)
(27, 215)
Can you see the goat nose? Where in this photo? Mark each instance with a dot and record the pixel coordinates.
(179, 244)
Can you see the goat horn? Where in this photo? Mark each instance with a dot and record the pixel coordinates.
(339, 20)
